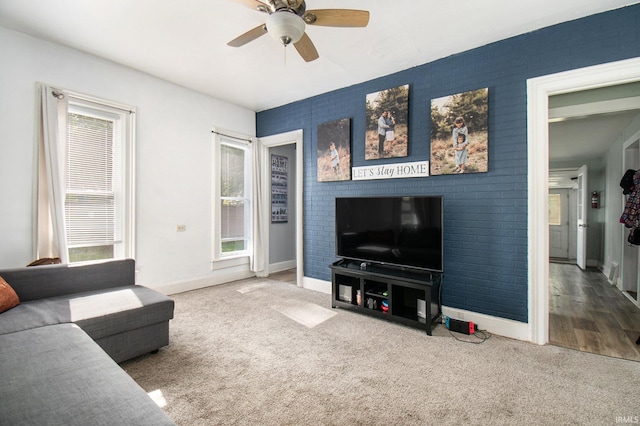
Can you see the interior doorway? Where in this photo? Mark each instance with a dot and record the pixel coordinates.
(562, 223)
(294, 138)
(282, 224)
(538, 91)
(587, 312)
(629, 282)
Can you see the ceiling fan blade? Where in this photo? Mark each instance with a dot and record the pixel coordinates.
(337, 17)
(248, 36)
(253, 4)
(306, 49)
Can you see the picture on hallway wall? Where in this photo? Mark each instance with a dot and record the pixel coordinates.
(279, 189)
(334, 150)
(460, 133)
(387, 129)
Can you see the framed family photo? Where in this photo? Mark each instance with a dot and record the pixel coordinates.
(334, 150)
(460, 133)
(387, 112)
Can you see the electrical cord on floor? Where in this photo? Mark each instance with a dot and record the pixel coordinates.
(481, 335)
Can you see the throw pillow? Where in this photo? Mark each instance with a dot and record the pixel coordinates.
(8, 297)
(45, 261)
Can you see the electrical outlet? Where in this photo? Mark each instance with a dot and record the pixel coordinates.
(181, 228)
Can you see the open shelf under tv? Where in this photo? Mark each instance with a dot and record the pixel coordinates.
(404, 295)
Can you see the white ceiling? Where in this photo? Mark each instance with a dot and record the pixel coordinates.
(184, 41)
(582, 132)
(583, 125)
(589, 137)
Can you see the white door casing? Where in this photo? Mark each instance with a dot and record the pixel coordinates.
(583, 224)
(295, 137)
(630, 264)
(538, 91)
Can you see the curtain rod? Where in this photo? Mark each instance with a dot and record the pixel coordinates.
(230, 136)
(60, 94)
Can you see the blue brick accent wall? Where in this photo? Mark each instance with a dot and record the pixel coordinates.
(485, 214)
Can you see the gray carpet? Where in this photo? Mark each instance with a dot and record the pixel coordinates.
(263, 352)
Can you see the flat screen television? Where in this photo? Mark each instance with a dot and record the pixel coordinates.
(398, 231)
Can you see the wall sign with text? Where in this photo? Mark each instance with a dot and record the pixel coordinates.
(391, 171)
(279, 191)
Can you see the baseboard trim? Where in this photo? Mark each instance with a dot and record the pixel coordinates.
(197, 284)
(282, 266)
(494, 325)
(316, 285)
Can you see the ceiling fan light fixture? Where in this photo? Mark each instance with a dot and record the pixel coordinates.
(286, 27)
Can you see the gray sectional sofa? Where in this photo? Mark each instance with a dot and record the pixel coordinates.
(60, 346)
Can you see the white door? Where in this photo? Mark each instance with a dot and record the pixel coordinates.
(583, 198)
(559, 223)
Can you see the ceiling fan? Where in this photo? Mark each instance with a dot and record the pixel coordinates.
(287, 20)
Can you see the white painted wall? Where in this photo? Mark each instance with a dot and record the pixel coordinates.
(173, 156)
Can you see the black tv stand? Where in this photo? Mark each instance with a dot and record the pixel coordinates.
(403, 295)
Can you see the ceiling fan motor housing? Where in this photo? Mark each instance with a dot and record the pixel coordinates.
(296, 6)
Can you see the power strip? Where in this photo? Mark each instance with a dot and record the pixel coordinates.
(459, 326)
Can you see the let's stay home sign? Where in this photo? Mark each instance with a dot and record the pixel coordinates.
(391, 171)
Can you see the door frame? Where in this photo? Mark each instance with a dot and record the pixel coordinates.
(538, 91)
(267, 142)
(583, 217)
(630, 256)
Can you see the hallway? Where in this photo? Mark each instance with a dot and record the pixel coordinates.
(589, 314)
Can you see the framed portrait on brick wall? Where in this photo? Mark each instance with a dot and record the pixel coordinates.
(460, 133)
(387, 132)
(334, 150)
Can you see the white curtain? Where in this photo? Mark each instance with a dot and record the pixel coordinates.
(51, 238)
(260, 212)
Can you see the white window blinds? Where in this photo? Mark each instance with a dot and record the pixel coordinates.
(90, 205)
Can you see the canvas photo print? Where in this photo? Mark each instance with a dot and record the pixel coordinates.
(459, 133)
(334, 150)
(387, 130)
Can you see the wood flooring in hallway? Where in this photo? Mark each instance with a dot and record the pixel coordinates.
(587, 313)
(287, 276)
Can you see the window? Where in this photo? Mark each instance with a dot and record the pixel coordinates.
(98, 180)
(555, 212)
(232, 195)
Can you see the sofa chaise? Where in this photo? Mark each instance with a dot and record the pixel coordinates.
(59, 347)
